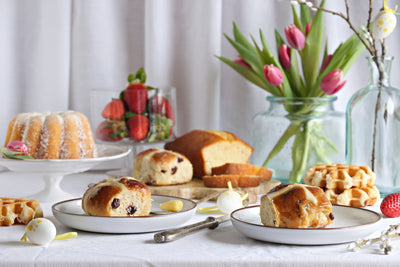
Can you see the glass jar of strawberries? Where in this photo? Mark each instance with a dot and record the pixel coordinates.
(138, 113)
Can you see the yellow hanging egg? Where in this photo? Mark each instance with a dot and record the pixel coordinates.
(383, 24)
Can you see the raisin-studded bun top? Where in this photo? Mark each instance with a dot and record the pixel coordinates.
(162, 167)
(117, 196)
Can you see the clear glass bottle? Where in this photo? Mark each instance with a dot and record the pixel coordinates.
(297, 133)
(373, 127)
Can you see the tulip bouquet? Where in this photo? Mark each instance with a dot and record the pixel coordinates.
(302, 69)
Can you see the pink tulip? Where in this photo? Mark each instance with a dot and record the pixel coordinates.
(18, 146)
(295, 37)
(273, 75)
(308, 27)
(284, 56)
(325, 64)
(240, 61)
(332, 82)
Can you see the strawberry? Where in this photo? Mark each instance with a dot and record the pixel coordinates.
(161, 105)
(138, 126)
(135, 97)
(114, 110)
(390, 205)
(111, 130)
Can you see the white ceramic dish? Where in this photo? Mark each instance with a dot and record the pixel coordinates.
(53, 170)
(70, 213)
(349, 224)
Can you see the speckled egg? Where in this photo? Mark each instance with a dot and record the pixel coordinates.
(40, 231)
(383, 24)
(229, 201)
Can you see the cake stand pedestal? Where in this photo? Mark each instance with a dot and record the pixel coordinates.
(52, 191)
(54, 170)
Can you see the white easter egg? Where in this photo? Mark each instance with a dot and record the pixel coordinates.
(229, 201)
(40, 231)
(383, 24)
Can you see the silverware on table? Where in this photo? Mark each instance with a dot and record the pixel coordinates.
(173, 234)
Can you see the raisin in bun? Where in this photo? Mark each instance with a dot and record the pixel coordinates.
(117, 196)
(296, 206)
(162, 167)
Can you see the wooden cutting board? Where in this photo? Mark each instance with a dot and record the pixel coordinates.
(196, 190)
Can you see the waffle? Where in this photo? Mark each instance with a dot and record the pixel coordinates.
(340, 177)
(18, 210)
(355, 197)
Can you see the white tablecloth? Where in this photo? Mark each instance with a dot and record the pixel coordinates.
(223, 246)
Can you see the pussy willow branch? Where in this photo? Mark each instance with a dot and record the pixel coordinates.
(371, 49)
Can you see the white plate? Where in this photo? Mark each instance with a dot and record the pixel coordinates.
(70, 213)
(65, 166)
(349, 224)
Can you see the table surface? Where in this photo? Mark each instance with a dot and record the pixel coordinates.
(223, 246)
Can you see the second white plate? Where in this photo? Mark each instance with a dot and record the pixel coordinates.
(70, 213)
(349, 225)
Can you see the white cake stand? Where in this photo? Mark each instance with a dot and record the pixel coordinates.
(53, 170)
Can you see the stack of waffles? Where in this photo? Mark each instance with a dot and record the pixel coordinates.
(18, 211)
(348, 185)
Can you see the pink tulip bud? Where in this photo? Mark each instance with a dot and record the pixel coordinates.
(284, 56)
(332, 82)
(295, 37)
(273, 75)
(18, 146)
(240, 61)
(308, 27)
(325, 64)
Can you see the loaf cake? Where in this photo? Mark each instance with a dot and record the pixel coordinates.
(53, 135)
(162, 167)
(18, 211)
(349, 185)
(117, 196)
(296, 206)
(210, 148)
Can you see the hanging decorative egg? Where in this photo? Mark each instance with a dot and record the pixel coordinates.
(384, 24)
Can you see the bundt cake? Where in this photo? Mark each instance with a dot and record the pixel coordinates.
(53, 135)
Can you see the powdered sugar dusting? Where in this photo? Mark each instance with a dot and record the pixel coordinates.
(76, 140)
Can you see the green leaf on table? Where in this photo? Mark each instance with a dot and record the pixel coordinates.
(7, 153)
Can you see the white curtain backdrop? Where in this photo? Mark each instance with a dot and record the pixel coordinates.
(53, 53)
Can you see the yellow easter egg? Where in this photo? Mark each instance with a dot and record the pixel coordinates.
(383, 24)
